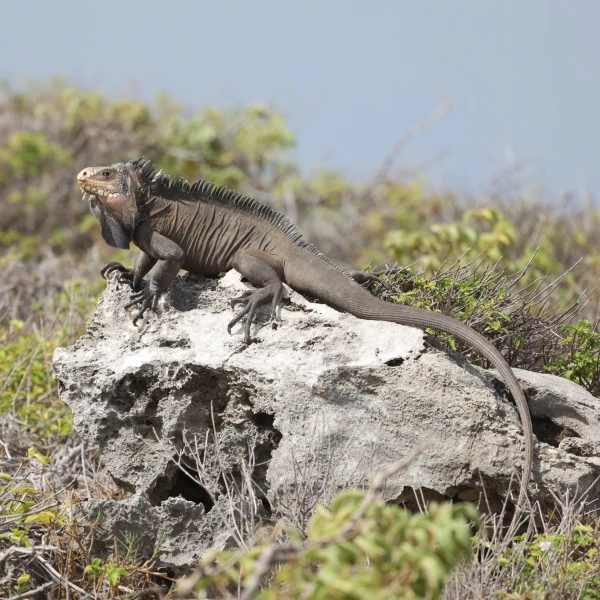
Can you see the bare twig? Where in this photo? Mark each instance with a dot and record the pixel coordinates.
(280, 553)
(60, 578)
(38, 590)
(23, 551)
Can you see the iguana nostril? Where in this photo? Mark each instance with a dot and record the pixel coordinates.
(82, 175)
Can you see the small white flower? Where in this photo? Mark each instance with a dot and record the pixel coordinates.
(545, 546)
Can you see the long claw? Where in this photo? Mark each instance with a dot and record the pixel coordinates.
(247, 325)
(251, 303)
(141, 312)
(112, 267)
(136, 299)
(241, 300)
(275, 303)
(238, 317)
(122, 278)
(123, 275)
(148, 301)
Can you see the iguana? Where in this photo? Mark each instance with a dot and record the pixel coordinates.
(206, 229)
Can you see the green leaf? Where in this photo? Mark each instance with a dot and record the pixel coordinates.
(32, 453)
(45, 517)
(115, 573)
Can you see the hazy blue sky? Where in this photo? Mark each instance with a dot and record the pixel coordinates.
(523, 76)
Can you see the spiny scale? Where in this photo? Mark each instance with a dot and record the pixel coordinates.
(171, 189)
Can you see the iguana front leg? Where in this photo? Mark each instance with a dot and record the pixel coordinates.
(133, 277)
(155, 248)
(254, 266)
(124, 275)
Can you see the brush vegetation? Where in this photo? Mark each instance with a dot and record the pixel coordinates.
(515, 265)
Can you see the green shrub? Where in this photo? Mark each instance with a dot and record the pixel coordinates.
(23, 507)
(27, 389)
(29, 154)
(580, 359)
(382, 552)
(554, 565)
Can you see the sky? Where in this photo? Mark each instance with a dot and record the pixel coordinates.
(522, 76)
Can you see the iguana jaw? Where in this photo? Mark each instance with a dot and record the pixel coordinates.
(110, 185)
(111, 196)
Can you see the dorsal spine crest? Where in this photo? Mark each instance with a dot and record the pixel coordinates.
(202, 190)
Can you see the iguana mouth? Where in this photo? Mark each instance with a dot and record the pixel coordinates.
(95, 191)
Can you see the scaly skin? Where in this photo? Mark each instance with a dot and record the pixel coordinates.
(207, 230)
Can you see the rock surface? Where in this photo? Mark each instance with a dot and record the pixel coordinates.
(323, 401)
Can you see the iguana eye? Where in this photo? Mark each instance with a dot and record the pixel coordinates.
(106, 174)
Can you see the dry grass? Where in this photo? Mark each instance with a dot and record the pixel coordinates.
(556, 559)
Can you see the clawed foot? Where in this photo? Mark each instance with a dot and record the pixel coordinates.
(123, 274)
(373, 276)
(147, 299)
(251, 303)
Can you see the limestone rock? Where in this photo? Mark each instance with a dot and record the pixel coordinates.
(320, 402)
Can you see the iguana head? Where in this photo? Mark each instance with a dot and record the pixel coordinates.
(114, 194)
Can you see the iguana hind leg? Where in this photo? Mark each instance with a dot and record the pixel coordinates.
(254, 267)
